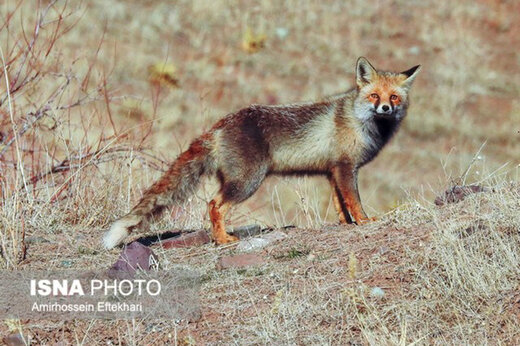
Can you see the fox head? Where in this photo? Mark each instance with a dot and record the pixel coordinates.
(382, 94)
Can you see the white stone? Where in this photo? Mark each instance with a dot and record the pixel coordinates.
(377, 292)
(252, 244)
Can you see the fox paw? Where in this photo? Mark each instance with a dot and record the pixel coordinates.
(365, 220)
(225, 239)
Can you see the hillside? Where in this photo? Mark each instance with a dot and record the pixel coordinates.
(422, 274)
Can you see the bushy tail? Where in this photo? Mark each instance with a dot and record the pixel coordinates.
(175, 186)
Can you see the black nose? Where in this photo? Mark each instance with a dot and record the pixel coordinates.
(386, 108)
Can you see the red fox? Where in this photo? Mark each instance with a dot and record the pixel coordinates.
(333, 138)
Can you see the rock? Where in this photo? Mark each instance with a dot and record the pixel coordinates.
(383, 250)
(282, 32)
(274, 236)
(288, 227)
(457, 194)
(67, 263)
(187, 240)
(252, 244)
(86, 250)
(14, 340)
(377, 292)
(134, 256)
(414, 50)
(240, 261)
(246, 231)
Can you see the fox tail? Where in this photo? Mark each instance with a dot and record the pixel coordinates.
(175, 186)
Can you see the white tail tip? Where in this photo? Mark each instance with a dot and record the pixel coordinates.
(119, 231)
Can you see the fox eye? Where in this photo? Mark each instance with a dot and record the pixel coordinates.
(394, 98)
(374, 96)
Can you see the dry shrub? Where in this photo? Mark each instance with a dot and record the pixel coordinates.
(61, 154)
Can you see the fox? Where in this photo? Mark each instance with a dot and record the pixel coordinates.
(333, 138)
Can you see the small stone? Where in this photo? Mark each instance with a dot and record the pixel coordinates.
(414, 50)
(383, 250)
(252, 244)
(377, 292)
(246, 231)
(134, 256)
(282, 32)
(153, 328)
(14, 340)
(67, 263)
(187, 240)
(240, 261)
(86, 250)
(274, 236)
(457, 194)
(288, 227)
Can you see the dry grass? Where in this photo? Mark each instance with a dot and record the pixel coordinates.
(448, 274)
(103, 95)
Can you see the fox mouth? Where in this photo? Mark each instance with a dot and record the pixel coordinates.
(383, 115)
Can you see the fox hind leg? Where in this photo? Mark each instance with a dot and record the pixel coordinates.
(233, 191)
(218, 209)
(240, 174)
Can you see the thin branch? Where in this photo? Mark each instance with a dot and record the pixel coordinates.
(100, 156)
(13, 123)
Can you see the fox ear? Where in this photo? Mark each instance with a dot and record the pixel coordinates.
(365, 72)
(410, 75)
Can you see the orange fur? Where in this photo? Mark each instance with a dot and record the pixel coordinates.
(217, 214)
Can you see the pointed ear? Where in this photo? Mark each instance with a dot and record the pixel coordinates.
(365, 72)
(410, 75)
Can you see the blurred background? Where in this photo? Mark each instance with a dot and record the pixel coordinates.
(103, 94)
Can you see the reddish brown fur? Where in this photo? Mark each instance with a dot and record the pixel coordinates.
(195, 150)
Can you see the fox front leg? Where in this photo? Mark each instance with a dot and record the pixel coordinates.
(339, 204)
(345, 176)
